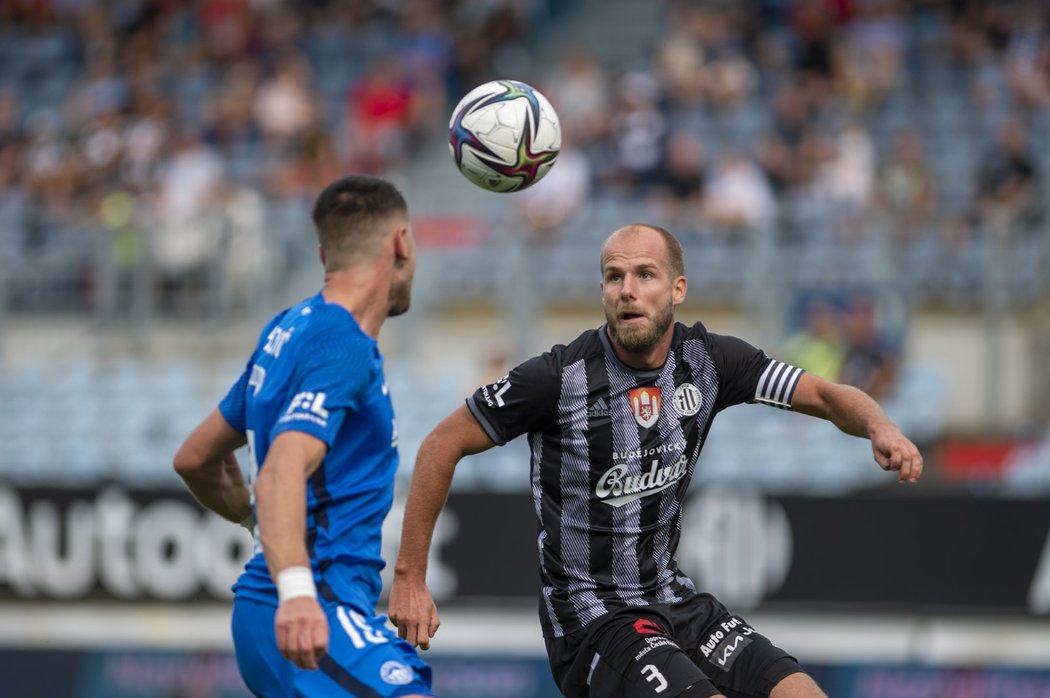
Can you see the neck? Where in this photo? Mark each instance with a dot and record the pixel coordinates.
(651, 358)
(364, 293)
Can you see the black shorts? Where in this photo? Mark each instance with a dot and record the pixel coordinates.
(694, 649)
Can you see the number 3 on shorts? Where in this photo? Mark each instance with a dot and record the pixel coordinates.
(651, 673)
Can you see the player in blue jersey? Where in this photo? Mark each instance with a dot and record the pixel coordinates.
(313, 408)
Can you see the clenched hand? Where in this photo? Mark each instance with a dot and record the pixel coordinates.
(894, 451)
(302, 631)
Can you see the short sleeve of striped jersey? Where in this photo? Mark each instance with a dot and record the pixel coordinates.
(777, 384)
(746, 374)
(520, 402)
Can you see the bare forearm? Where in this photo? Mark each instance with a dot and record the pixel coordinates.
(220, 487)
(851, 410)
(280, 508)
(207, 464)
(431, 480)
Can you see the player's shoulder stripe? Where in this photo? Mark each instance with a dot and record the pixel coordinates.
(777, 384)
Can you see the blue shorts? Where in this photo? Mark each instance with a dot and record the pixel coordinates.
(366, 659)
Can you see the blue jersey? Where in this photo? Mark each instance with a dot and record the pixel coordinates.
(315, 371)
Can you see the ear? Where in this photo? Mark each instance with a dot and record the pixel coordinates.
(320, 253)
(402, 246)
(681, 285)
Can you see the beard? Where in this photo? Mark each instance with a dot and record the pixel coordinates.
(642, 336)
(400, 299)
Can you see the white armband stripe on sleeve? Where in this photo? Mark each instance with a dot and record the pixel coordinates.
(777, 384)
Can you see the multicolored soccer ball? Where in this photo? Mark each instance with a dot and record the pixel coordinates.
(504, 136)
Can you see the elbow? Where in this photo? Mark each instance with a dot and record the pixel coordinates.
(187, 463)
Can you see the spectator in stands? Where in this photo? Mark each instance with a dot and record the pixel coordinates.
(427, 48)
(579, 89)
(549, 205)
(230, 112)
(227, 28)
(870, 53)
(1027, 56)
(818, 345)
(382, 111)
(786, 153)
(10, 121)
(637, 130)
(1007, 186)
(186, 237)
(872, 362)
(676, 192)
(845, 177)
(906, 190)
(738, 196)
(286, 106)
(313, 163)
(11, 139)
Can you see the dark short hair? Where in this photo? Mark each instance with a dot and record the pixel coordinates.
(675, 254)
(347, 211)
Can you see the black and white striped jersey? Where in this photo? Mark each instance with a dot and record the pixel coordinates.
(613, 449)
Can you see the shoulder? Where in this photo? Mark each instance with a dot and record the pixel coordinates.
(551, 364)
(588, 344)
(691, 332)
(330, 334)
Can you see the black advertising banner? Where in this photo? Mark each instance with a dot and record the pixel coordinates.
(757, 551)
(751, 550)
(115, 543)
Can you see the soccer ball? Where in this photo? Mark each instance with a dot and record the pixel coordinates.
(504, 136)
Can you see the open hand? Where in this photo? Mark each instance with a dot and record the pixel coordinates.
(413, 611)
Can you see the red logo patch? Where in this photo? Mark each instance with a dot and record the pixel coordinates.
(644, 626)
(645, 404)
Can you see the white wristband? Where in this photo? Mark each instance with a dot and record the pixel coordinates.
(295, 581)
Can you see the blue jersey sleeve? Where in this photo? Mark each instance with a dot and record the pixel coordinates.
(331, 381)
(232, 406)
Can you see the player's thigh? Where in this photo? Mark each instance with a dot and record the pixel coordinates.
(638, 658)
(740, 661)
(366, 659)
(265, 672)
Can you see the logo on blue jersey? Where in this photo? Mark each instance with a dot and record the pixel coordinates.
(307, 405)
(396, 673)
(276, 340)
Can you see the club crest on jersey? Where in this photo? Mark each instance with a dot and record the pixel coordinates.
(687, 399)
(645, 404)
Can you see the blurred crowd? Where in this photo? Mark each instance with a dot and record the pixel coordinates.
(816, 115)
(189, 137)
(822, 120)
(144, 118)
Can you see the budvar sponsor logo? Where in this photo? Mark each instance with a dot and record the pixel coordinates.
(616, 487)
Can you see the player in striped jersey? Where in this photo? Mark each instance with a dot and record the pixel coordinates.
(314, 410)
(616, 420)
